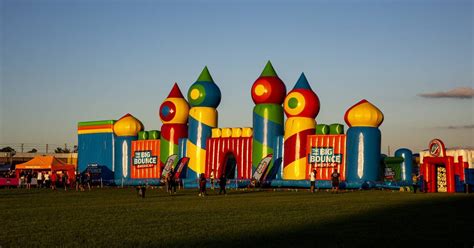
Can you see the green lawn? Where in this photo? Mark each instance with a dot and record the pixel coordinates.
(117, 217)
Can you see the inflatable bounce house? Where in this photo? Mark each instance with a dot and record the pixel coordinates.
(273, 152)
(446, 170)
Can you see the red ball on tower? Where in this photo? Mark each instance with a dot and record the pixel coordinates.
(302, 101)
(268, 88)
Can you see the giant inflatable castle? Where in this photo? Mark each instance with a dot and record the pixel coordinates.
(274, 151)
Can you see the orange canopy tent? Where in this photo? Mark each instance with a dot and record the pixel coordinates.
(46, 163)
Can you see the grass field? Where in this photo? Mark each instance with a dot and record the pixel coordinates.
(118, 218)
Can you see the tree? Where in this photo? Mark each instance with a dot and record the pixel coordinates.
(33, 150)
(62, 150)
(7, 149)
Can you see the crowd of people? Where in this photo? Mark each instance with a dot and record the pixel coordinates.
(40, 179)
(83, 181)
(171, 182)
(54, 180)
(203, 184)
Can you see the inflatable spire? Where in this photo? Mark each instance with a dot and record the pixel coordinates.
(301, 107)
(126, 129)
(268, 93)
(204, 96)
(173, 113)
(363, 142)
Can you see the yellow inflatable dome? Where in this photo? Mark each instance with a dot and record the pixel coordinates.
(363, 114)
(127, 126)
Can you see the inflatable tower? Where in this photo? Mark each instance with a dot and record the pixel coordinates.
(363, 142)
(204, 96)
(126, 129)
(301, 107)
(268, 93)
(174, 114)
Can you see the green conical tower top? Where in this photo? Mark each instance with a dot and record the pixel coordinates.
(205, 76)
(268, 71)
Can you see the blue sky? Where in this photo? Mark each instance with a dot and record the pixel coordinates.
(69, 61)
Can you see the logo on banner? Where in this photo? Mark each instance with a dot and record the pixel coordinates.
(144, 159)
(169, 164)
(324, 157)
(437, 148)
(262, 167)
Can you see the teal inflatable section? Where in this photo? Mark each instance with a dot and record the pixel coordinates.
(363, 155)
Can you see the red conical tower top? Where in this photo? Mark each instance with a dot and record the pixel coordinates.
(175, 92)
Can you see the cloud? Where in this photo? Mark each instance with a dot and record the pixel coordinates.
(471, 126)
(459, 93)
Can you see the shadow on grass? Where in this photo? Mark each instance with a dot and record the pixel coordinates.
(421, 220)
(443, 222)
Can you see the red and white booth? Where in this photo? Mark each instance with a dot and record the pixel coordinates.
(442, 170)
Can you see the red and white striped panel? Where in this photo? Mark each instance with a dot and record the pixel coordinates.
(338, 143)
(217, 150)
(154, 170)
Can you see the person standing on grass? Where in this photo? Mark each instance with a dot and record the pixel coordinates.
(88, 180)
(39, 180)
(59, 181)
(83, 181)
(65, 180)
(313, 180)
(172, 183)
(46, 179)
(22, 179)
(335, 181)
(168, 182)
(53, 181)
(211, 176)
(222, 184)
(77, 180)
(28, 180)
(252, 184)
(415, 182)
(202, 185)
